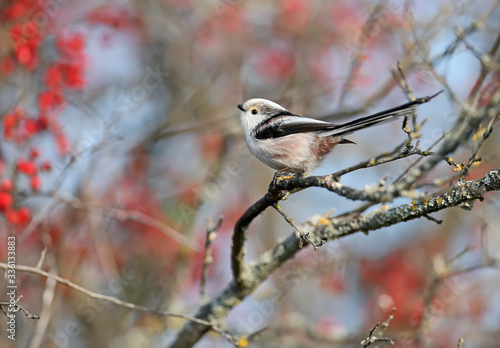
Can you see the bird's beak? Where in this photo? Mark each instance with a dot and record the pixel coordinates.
(240, 106)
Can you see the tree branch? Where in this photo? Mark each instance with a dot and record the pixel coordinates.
(248, 276)
(330, 229)
(211, 234)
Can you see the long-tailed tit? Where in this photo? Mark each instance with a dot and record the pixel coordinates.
(294, 144)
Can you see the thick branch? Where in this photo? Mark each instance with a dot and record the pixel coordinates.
(258, 271)
(238, 264)
(278, 189)
(248, 277)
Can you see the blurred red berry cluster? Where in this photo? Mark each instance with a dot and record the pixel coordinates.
(28, 27)
(20, 216)
(118, 17)
(397, 280)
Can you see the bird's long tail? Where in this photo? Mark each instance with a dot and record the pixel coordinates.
(379, 117)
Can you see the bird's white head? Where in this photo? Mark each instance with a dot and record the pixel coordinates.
(255, 111)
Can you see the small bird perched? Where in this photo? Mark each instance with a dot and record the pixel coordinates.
(294, 144)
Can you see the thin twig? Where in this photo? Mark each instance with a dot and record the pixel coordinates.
(400, 77)
(386, 323)
(260, 269)
(355, 62)
(458, 255)
(402, 175)
(371, 339)
(16, 308)
(473, 158)
(484, 70)
(42, 258)
(381, 159)
(303, 236)
(134, 215)
(107, 298)
(441, 272)
(430, 218)
(47, 305)
(331, 182)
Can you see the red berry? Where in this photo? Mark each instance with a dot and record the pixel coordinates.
(16, 32)
(26, 167)
(5, 201)
(43, 122)
(12, 217)
(74, 76)
(53, 76)
(31, 30)
(36, 182)
(24, 215)
(31, 127)
(34, 152)
(20, 113)
(17, 10)
(24, 54)
(46, 100)
(63, 144)
(6, 184)
(9, 120)
(45, 166)
(7, 65)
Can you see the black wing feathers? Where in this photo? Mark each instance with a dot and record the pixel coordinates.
(379, 117)
(276, 126)
(279, 129)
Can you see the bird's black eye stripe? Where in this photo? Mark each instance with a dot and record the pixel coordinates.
(254, 111)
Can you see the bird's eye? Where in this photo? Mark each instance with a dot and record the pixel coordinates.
(254, 112)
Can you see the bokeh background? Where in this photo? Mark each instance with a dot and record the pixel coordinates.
(121, 137)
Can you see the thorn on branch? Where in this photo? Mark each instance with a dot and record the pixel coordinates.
(430, 218)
